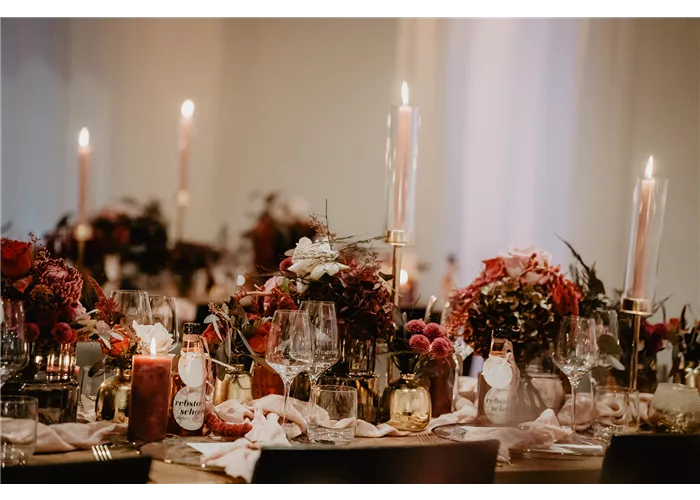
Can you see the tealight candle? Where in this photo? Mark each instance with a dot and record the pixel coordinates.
(150, 397)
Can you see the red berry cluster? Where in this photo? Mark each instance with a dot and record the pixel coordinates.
(225, 429)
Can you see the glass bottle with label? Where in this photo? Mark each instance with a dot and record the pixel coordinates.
(190, 374)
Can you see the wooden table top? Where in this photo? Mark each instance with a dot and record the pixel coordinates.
(520, 470)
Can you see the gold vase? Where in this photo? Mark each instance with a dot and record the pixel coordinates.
(233, 383)
(113, 398)
(406, 404)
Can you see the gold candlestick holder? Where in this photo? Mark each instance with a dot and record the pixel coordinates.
(639, 309)
(82, 234)
(397, 239)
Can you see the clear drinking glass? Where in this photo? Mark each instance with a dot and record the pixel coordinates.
(164, 311)
(576, 352)
(324, 333)
(18, 423)
(135, 306)
(289, 347)
(14, 350)
(333, 414)
(616, 411)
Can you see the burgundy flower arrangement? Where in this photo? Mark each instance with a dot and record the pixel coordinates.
(518, 295)
(417, 345)
(50, 290)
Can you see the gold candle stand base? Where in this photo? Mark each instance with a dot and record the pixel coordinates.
(639, 309)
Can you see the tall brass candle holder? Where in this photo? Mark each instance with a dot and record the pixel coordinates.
(648, 205)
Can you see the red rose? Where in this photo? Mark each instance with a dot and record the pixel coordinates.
(32, 332)
(117, 347)
(63, 334)
(258, 342)
(16, 258)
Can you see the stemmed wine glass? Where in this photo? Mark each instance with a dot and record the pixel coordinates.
(14, 350)
(164, 311)
(135, 306)
(324, 333)
(575, 353)
(289, 348)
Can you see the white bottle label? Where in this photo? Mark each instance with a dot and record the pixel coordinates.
(191, 368)
(188, 408)
(498, 405)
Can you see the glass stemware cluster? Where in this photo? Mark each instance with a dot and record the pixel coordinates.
(303, 340)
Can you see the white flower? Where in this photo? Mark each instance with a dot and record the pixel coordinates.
(146, 333)
(314, 259)
(517, 259)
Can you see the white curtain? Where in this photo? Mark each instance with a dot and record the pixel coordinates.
(548, 122)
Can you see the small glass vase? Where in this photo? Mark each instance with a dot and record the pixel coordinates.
(406, 404)
(233, 383)
(112, 401)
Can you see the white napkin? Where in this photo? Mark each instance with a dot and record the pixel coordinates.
(609, 409)
(73, 436)
(542, 433)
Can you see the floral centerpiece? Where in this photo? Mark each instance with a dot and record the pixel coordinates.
(51, 292)
(520, 296)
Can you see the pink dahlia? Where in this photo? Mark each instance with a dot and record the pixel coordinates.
(419, 343)
(65, 282)
(440, 348)
(434, 331)
(415, 326)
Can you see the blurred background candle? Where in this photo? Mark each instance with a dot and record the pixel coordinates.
(83, 165)
(150, 397)
(401, 165)
(183, 196)
(649, 202)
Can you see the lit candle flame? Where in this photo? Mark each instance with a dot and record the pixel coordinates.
(84, 138)
(187, 109)
(650, 168)
(153, 347)
(404, 93)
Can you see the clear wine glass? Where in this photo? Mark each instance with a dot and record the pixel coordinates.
(608, 332)
(14, 349)
(324, 334)
(164, 311)
(289, 348)
(135, 306)
(575, 353)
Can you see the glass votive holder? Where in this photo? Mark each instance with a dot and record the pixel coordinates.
(333, 414)
(675, 408)
(18, 426)
(616, 411)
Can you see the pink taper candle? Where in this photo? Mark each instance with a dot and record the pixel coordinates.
(642, 243)
(186, 113)
(150, 397)
(83, 165)
(402, 157)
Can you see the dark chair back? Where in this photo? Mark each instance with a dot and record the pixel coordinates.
(119, 471)
(450, 463)
(652, 458)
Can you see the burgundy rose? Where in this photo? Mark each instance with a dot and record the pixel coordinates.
(16, 258)
(434, 331)
(419, 343)
(32, 332)
(415, 326)
(63, 334)
(440, 348)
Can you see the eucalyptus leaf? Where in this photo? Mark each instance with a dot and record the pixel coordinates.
(616, 363)
(608, 345)
(96, 369)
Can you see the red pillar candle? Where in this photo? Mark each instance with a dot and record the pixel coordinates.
(150, 397)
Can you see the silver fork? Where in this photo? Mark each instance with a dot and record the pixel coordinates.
(425, 438)
(101, 452)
